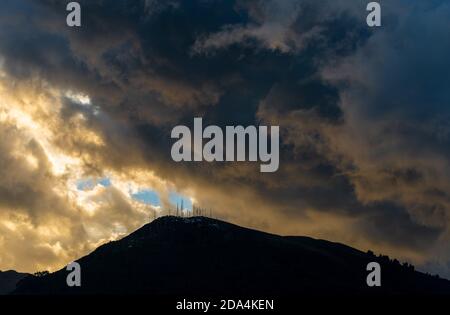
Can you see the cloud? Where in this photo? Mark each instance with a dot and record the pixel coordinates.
(44, 152)
(395, 111)
(280, 26)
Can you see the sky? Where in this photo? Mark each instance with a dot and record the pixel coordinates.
(86, 115)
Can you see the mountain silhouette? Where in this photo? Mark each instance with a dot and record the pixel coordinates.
(9, 280)
(204, 256)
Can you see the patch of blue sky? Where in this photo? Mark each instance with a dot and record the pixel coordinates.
(175, 199)
(147, 196)
(106, 182)
(89, 183)
(85, 184)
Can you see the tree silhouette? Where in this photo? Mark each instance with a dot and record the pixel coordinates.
(40, 274)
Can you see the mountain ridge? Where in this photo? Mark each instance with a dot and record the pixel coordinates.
(199, 255)
(9, 280)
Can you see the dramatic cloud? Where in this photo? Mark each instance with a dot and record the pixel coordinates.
(363, 115)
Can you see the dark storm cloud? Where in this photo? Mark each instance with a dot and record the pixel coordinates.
(393, 225)
(363, 112)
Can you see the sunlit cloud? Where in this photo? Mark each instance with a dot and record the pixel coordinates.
(79, 98)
